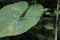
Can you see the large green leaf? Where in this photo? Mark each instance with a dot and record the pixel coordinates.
(12, 24)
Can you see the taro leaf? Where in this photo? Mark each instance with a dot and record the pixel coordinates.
(8, 16)
(49, 26)
(13, 25)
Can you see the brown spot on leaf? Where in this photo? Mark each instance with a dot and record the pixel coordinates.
(11, 29)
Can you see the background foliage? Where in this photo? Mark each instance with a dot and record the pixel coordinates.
(38, 32)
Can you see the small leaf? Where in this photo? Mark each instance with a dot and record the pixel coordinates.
(49, 26)
(59, 12)
(47, 13)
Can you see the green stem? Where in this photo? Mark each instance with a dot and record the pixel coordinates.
(56, 24)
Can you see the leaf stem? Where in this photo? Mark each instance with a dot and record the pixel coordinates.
(56, 24)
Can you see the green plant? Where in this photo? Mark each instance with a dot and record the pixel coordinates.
(19, 17)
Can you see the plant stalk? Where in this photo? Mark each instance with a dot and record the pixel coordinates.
(56, 24)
